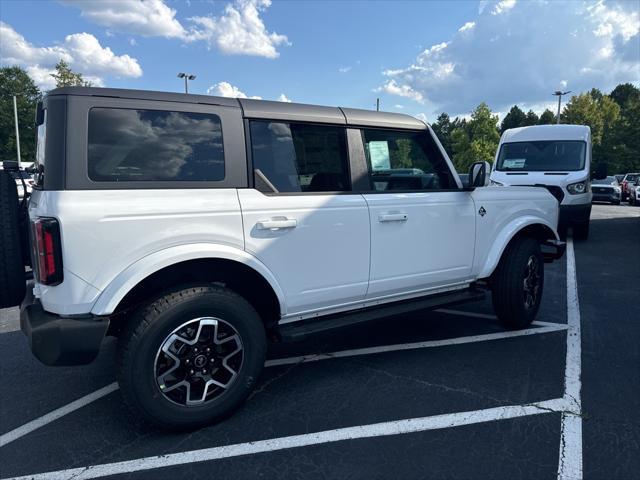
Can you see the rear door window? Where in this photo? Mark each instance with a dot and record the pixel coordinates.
(294, 157)
(128, 145)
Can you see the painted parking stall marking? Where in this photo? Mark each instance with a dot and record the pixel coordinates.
(570, 452)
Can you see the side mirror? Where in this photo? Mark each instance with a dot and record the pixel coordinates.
(600, 172)
(478, 176)
(39, 114)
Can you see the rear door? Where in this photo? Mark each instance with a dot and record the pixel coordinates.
(302, 219)
(422, 224)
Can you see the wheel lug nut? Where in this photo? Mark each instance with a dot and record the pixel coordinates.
(187, 361)
(195, 350)
(208, 350)
(212, 360)
(204, 371)
(192, 372)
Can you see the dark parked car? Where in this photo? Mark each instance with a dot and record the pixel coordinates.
(606, 190)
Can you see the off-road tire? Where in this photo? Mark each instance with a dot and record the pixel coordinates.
(12, 277)
(148, 329)
(508, 282)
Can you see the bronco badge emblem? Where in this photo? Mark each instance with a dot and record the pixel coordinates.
(482, 212)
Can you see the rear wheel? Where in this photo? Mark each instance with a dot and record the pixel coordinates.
(191, 357)
(12, 278)
(517, 283)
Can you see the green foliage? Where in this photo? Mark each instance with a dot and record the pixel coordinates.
(16, 81)
(442, 128)
(531, 119)
(65, 77)
(514, 119)
(547, 118)
(475, 140)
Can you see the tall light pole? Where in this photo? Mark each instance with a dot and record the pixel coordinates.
(559, 94)
(187, 77)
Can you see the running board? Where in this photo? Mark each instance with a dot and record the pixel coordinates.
(299, 330)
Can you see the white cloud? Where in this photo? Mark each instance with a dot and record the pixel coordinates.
(503, 6)
(239, 31)
(82, 51)
(398, 106)
(467, 26)
(344, 69)
(523, 56)
(225, 89)
(149, 18)
(283, 98)
(394, 88)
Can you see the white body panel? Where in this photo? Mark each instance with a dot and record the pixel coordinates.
(321, 257)
(555, 178)
(420, 240)
(105, 231)
(508, 210)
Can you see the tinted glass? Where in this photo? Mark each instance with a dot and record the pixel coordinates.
(154, 145)
(290, 157)
(405, 161)
(547, 156)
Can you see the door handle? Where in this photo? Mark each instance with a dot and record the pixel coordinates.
(393, 217)
(277, 224)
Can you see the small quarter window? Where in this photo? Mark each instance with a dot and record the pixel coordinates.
(290, 157)
(404, 160)
(127, 145)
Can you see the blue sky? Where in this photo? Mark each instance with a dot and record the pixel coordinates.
(418, 57)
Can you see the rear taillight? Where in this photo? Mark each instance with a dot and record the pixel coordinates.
(47, 251)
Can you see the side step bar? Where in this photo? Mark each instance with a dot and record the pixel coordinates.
(299, 330)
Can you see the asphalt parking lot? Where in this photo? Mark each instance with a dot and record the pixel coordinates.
(445, 394)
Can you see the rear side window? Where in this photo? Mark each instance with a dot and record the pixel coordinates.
(127, 145)
(290, 157)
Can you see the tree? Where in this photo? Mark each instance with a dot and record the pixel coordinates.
(547, 118)
(477, 140)
(16, 81)
(624, 93)
(530, 119)
(442, 128)
(593, 109)
(514, 119)
(65, 77)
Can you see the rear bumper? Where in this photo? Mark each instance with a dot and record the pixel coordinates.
(573, 214)
(55, 340)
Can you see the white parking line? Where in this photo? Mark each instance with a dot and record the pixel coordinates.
(413, 346)
(56, 414)
(570, 457)
(81, 402)
(397, 427)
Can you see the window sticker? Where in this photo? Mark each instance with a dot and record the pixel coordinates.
(379, 153)
(514, 162)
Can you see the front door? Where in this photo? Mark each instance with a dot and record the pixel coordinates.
(422, 224)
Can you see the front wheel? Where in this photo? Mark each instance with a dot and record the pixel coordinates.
(191, 357)
(517, 283)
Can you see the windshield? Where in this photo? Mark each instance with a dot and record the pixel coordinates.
(542, 156)
(605, 181)
(631, 178)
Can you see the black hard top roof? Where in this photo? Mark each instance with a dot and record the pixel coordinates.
(262, 108)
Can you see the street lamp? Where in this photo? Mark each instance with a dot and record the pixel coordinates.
(559, 94)
(187, 77)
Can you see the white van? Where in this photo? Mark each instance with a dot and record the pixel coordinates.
(556, 156)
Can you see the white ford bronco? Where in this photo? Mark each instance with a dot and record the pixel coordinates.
(194, 228)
